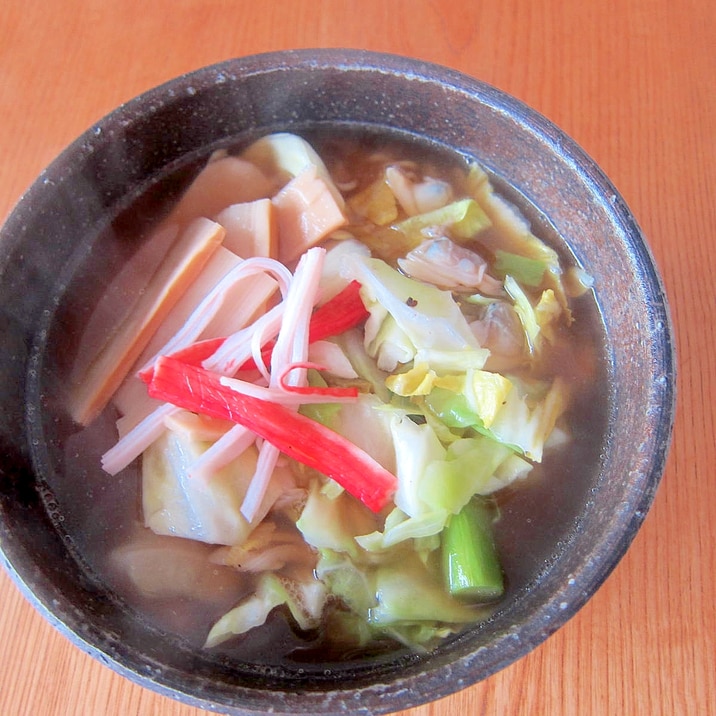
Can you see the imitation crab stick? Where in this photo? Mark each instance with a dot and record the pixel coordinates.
(195, 354)
(344, 311)
(135, 439)
(291, 348)
(297, 436)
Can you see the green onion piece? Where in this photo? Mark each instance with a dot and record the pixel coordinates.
(470, 562)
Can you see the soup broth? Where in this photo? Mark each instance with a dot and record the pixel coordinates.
(183, 587)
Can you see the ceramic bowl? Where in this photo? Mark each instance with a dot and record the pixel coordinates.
(75, 215)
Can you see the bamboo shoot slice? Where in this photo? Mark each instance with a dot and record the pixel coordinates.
(92, 390)
(121, 297)
(251, 228)
(307, 214)
(222, 182)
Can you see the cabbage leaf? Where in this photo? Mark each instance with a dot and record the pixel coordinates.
(407, 593)
(463, 219)
(304, 599)
(514, 232)
(416, 315)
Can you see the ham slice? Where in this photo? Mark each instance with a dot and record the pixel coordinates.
(103, 373)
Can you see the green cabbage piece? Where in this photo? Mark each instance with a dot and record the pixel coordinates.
(417, 316)
(324, 413)
(423, 377)
(354, 585)
(304, 599)
(350, 629)
(524, 311)
(473, 401)
(513, 232)
(463, 219)
(435, 482)
(467, 470)
(529, 272)
(522, 423)
(443, 361)
(332, 522)
(421, 527)
(416, 446)
(528, 427)
(390, 345)
(354, 347)
(512, 468)
(419, 636)
(407, 593)
(547, 311)
(374, 600)
(486, 393)
(366, 423)
(452, 409)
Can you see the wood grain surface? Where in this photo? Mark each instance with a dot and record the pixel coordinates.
(633, 82)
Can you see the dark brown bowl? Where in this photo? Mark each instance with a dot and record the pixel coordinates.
(73, 221)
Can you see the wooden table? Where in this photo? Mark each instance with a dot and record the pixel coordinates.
(633, 82)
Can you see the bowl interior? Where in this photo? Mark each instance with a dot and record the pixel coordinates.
(92, 208)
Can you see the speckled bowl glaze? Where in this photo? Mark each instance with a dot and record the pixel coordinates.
(65, 219)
